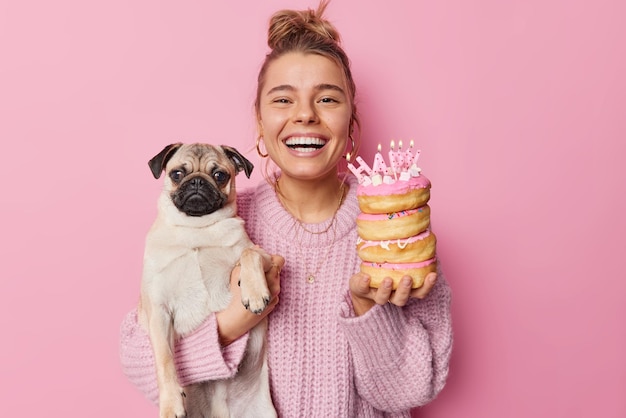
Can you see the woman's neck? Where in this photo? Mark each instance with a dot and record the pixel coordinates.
(311, 201)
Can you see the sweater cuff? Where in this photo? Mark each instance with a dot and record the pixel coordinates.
(200, 356)
(136, 356)
(380, 331)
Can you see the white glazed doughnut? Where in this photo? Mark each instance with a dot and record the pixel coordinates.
(417, 248)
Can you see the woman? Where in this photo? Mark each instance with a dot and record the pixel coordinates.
(336, 347)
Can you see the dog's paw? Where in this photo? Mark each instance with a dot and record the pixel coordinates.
(172, 406)
(255, 303)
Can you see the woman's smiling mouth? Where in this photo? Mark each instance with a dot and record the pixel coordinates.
(305, 144)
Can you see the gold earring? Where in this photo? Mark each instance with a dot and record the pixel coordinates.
(258, 147)
(351, 140)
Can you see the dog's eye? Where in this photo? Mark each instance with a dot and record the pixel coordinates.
(177, 175)
(220, 177)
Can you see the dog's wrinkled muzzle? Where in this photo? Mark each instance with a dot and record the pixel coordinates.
(198, 197)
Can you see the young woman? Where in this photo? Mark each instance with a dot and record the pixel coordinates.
(336, 347)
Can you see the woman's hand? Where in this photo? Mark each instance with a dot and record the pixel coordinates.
(365, 297)
(236, 320)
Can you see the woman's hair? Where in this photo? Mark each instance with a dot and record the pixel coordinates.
(306, 31)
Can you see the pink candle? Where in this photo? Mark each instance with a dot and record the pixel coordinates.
(413, 158)
(402, 157)
(364, 166)
(379, 163)
(355, 171)
(392, 157)
(394, 160)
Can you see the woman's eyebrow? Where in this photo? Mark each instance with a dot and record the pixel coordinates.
(319, 87)
(282, 87)
(326, 86)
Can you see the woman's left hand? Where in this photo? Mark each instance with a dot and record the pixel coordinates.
(365, 297)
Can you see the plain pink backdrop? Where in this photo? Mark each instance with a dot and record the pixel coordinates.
(518, 107)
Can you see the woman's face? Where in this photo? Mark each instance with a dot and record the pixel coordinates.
(304, 115)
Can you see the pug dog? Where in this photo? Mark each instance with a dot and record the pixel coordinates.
(190, 252)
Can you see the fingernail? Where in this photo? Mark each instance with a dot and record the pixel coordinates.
(407, 282)
(433, 279)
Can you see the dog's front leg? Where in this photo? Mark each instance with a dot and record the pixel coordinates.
(255, 295)
(171, 394)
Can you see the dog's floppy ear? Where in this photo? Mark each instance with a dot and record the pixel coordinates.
(241, 162)
(158, 162)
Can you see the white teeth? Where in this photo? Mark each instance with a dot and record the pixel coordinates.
(295, 141)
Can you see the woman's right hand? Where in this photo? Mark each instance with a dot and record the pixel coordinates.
(236, 320)
(365, 297)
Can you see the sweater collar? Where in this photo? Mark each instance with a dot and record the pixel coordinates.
(278, 219)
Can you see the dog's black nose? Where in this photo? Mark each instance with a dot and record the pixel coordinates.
(196, 182)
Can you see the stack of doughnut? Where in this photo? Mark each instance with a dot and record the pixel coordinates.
(394, 228)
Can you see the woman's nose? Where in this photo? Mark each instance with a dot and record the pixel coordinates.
(305, 113)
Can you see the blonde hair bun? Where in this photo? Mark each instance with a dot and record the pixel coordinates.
(290, 27)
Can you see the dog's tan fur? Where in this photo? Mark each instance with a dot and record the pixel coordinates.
(187, 266)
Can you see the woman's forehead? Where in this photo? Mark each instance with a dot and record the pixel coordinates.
(295, 71)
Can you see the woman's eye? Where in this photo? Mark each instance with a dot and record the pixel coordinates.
(177, 175)
(281, 100)
(220, 177)
(328, 100)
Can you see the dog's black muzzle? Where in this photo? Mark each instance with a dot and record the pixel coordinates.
(198, 197)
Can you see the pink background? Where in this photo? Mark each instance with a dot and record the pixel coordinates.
(518, 108)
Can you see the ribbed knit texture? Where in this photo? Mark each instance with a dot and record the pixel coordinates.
(323, 361)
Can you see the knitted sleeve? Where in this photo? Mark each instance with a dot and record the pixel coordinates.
(198, 356)
(401, 354)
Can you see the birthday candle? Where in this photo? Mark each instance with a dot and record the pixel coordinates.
(406, 157)
(414, 169)
(364, 166)
(402, 157)
(413, 158)
(392, 157)
(379, 163)
(355, 171)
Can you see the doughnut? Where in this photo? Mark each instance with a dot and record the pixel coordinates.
(417, 271)
(401, 224)
(417, 248)
(406, 195)
(382, 204)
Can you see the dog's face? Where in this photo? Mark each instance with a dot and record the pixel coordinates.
(200, 178)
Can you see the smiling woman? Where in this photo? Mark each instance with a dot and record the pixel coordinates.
(331, 337)
(304, 120)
